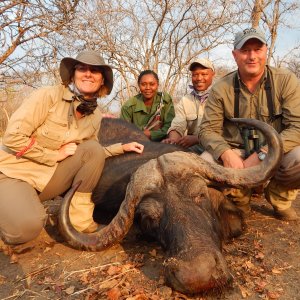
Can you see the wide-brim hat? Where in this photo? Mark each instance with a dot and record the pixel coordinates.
(89, 58)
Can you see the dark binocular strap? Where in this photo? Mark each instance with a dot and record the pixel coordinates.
(268, 94)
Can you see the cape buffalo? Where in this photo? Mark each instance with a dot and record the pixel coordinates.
(174, 197)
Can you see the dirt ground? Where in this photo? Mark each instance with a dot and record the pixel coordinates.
(264, 262)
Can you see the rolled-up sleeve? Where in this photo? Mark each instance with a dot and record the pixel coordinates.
(112, 150)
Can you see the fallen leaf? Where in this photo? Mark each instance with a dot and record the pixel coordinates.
(109, 284)
(70, 290)
(14, 259)
(276, 271)
(249, 264)
(113, 270)
(28, 281)
(47, 249)
(127, 267)
(260, 286)
(273, 295)
(84, 278)
(260, 256)
(245, 293)
(114, 294)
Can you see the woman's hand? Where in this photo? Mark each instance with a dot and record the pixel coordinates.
(66, 150)
(133, 147)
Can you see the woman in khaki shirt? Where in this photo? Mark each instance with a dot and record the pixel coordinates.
(50, 142)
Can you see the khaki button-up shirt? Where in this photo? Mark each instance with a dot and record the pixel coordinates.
(42, 120)
(188, 115)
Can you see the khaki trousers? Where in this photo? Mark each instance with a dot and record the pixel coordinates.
(278, 192)
(22, 216)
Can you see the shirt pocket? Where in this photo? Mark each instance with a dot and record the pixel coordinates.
(52, 133)
(277, 118)
(265, 113)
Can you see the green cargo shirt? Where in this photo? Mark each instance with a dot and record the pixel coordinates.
(217, 134)
(135, 111)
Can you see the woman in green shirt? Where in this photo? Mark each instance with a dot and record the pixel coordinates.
(150, 110)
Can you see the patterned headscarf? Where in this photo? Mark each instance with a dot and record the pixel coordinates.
(200, 95)
(85, 107)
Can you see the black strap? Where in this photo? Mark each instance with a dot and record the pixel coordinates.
(268, 90)
(236, 96)
(269, 97)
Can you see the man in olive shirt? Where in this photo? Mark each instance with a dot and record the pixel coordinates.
(245, 93)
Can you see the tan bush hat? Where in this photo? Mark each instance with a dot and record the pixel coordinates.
(207, 64)
(89, 58)
(250, 33)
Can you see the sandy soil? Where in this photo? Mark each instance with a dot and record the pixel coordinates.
(264, 261)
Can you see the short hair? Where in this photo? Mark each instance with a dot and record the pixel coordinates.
(147, 72)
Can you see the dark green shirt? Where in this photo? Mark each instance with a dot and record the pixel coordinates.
(135, 111)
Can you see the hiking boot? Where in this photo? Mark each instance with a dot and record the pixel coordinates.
(81, 212)
(288, 214)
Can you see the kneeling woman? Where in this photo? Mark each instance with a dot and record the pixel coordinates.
(50, 142)
(151, 111)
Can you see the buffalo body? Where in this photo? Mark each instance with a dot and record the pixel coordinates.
(174, 197)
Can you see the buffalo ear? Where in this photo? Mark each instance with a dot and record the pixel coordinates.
(231, 220)
(148, 215)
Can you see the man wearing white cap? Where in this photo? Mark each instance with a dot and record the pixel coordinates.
(260, 92)
(189, 111)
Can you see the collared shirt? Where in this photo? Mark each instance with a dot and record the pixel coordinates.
(217, 134)
(44, 117)
(135, 111)
(189, 112)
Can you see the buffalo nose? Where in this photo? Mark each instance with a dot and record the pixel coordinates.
(202, 273)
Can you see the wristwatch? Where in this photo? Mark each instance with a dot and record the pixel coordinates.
(261, 155)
